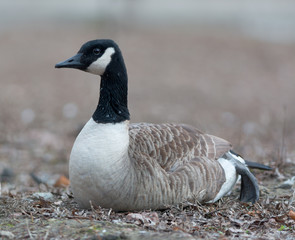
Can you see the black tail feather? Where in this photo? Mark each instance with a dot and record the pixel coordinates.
(251, 164)
(249, 186)
(257, 165)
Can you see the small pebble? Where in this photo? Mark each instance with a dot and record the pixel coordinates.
(6, 175)
(47, 196)
(6, 234)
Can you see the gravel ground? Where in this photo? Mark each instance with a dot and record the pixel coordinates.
(234, 87)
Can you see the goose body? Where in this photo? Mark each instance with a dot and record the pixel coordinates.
(123, 166)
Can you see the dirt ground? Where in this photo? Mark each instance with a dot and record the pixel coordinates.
(237, 88)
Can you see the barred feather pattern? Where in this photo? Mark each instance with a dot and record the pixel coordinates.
(176, 162)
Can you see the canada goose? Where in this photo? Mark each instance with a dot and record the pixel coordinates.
(114, 164)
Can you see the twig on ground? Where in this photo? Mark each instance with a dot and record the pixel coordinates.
(28, 229)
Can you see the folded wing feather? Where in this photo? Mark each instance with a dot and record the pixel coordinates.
(172, 144)
(179, 161)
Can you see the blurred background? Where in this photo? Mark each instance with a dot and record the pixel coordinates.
(224, 66)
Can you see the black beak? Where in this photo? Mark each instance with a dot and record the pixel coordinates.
(73, 62)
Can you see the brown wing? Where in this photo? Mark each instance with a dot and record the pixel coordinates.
(174, 145)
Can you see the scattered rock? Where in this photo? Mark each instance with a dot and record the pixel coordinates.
(6, 234)
(36, 178)
(6, 175)
(46, 178)
(47, 196)
(288, 183)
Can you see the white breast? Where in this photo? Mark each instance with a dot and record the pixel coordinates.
(101, 142)
(97, 159)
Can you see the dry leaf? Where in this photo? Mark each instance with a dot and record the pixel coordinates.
(62, 181)
(178, 229)
(146, 218)
(292, 214)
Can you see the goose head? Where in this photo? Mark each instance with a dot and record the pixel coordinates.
(94, 57)
(103, 57)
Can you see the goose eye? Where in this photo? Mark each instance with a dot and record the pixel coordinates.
(96, 51)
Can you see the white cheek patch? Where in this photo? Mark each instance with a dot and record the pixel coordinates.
(98, 67)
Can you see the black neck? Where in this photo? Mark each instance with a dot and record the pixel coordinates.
(112, 105)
